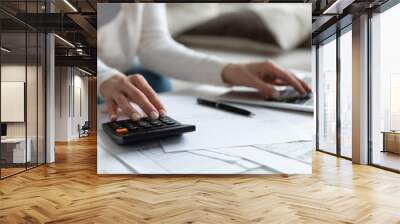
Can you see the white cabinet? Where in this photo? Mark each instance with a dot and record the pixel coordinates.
(16, 149)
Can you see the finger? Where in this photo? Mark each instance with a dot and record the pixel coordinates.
(126, 107)
(280, 82)
(266, 89)
(141, 83)
(305, 85)
(136, 96)
(291, 79)
(111, 108)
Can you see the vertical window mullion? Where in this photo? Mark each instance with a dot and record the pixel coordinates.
(37, 90)
(26, 87)
(338, 75)
(317, 95)
(369, 71)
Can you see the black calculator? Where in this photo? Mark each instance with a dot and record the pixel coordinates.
(129, 131)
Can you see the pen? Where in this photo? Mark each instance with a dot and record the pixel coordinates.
(223, 106)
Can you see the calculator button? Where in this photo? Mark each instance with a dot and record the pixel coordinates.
(116, 126)
(126, 122)
(156, 123)
(144, 124)
(132, 127)
(167, 120)
(121, 130)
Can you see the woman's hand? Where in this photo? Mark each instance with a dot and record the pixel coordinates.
(119, 90)
(263, 76)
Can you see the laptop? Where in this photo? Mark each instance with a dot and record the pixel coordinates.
(289, 98)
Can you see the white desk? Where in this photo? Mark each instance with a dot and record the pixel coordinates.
(18, 149)
(150, 157)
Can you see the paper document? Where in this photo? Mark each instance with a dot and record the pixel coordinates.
(150, 158)
(109, 164)
(300, 150)
(231, 132)
(270, 160)
(130, 156)
(218, 129)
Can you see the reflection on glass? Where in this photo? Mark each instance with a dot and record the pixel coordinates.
(14, 153)
(385, 86)
(346, 94)
(327, 97)
(41, 99)
(31, 97)
(22, 91)
(395, 101)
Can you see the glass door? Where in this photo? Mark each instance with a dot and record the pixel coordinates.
(327, 96)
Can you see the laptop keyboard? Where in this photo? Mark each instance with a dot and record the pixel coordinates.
(290, 95)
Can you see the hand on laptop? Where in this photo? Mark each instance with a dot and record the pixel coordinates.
(263, 76)
(119, 90)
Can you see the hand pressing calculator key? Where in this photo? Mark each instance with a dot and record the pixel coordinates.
(129, 131)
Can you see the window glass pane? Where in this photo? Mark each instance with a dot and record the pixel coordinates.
(327, 97)
(22, 88)
(385, 87)
(41, 98)
(346, 94)
(31, 97)
(32, 86)
(14, 147)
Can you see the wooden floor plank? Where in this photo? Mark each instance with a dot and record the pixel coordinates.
(70, 191)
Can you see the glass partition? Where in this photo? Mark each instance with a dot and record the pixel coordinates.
(22, 77)
(327, 96)
(41, 97)
(14, 153)
(385, 89)
(346, 93)
(32, 97)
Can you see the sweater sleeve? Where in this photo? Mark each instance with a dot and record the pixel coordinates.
(160, 53)
(104, 72)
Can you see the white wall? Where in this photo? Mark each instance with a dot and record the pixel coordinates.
(61, 103)
(80, 100)
(70, 83)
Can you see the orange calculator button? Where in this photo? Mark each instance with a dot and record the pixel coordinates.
(121, 130)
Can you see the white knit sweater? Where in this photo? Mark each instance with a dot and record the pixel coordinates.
(141, 30)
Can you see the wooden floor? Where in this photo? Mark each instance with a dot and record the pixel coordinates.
(387, 159)
(70, 191)
(5, 172)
